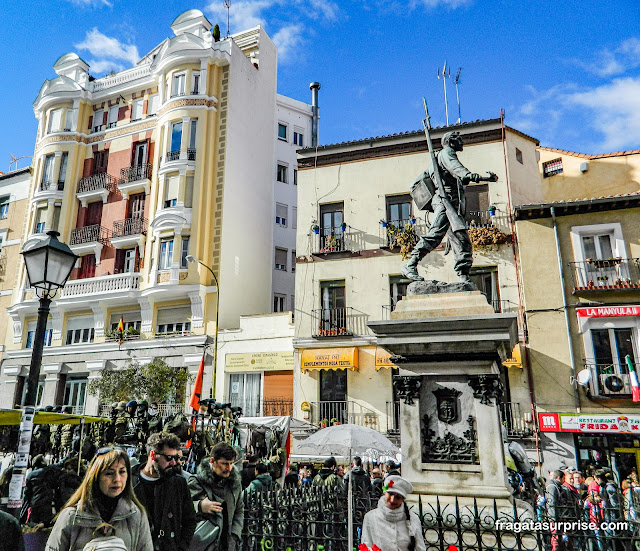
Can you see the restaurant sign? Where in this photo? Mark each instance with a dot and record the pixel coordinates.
(608, 311)
(617, 423)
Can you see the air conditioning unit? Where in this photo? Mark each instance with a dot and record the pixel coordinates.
(614, 384)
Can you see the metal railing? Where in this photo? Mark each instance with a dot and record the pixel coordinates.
(393, 417)
(135, 173)
(164, 410)
(333, 240)
(338, 322)
(606, 274)
(171, 334)
(130, 226)
(346, 411)
(97, 182)
(191, 154)
(514, 421)
(89, 234)
(610, 380)
(479, 218)
(414, 224)
(49, 185)
(173, 155)
(503, 306)
(100, 285)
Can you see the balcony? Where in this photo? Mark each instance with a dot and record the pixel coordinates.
(334, 240)
(605, 275)
(341, 412)
(49, 185)
(129, 232)
(135, 179)
(97, 186)
(89, 239)
(173, 155)
(517, 424)
(191, 154)
(338, 322)
(388, 228)
(100, 286)
(609, 380)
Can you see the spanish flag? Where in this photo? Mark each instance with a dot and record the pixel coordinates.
(633, 377)
(194, 402)
(121, 330)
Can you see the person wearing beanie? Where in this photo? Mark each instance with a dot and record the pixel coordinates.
(391, 526)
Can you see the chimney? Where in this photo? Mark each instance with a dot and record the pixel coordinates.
(314, 87)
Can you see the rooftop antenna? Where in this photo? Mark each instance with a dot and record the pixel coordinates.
(14, 160)
(456, 81)
(227, 4)
(444, 77)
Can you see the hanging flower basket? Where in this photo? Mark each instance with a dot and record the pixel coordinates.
(343, 226)
(315, 228)
(383, 223)
(484, 238)
(403, 237)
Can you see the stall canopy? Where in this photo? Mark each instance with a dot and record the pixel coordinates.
(316, 359)
(13, 417)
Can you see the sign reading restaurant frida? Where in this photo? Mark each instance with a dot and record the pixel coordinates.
(570, 422)
(608, 311)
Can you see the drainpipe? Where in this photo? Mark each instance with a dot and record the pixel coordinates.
(565, 307)
(314, 86)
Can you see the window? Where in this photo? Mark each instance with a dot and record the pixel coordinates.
(131, 320)
(184, 252)
(477, 197)
(282, 131)
(551, 168)
(193, 131)
(331, 235)
(295, 176)
(80, 329)
(178, 85)
(294, 218)
(279, 302)
(397, 289)
(519, 155)
(4, 207)
(31, 333)
(55, 118)
(75, 392)
(297, 138)
(281, 215)
(41, 215)
(166, 254)
(399, 209)
(196, 82)
(126, 261)
(486, 280)
(47, 173)
(281, 259)
(281, 174)
(112, 120)
(98, 117)
(176, 136)
(172, 184)
(72, 120)
(62, 174)
(610, 348)
(154, 103)
(56, 217)
(100, 160)
(174, 320)
(293, 261)
(136, 110)
(245, 391)
(333, 313)
(87, 266)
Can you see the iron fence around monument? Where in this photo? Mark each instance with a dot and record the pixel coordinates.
(313, 518)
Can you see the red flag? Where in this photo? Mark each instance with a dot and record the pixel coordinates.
(633, 376)
(197, 388)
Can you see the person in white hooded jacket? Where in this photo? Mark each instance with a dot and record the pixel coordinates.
(391, 526)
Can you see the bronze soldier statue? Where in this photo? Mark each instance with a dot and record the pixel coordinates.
(448, 205)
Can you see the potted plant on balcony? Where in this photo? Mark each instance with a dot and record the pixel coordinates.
(491, 210)
(315, 228)
(334, 421)
(324, 423)
(403, 237)
(383, 223)
(343, 226)
(604, 262)
(330, 244)
(484, 238)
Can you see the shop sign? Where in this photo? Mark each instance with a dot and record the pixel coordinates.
(516, 358)
(383, 359)
(571, 422)
(329, 358)
(258, 361)
(608, 311)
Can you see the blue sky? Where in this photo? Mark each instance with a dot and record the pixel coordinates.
(566, 72)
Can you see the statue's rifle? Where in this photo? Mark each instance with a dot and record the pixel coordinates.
(455, 219)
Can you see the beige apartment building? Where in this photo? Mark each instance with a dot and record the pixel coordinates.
(348, 272)
(579, 251)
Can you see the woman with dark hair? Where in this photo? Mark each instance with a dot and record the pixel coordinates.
(105, 495)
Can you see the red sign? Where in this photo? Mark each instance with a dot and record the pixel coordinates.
(608, 311)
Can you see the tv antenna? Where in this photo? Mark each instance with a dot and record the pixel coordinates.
(14, 160)
(456, 81)
(227, 4)
(446, 73)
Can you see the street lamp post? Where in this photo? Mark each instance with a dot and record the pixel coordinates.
(192, 259)
(49, 264)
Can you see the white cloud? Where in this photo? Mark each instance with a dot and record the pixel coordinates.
(91, 3)
(609, 62)
(104, 65)
(288, 40)
(108, 48)
(616, 112)
(242, 15)
(452, 4)
(325, 8)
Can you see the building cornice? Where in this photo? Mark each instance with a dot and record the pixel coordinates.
(567, 208)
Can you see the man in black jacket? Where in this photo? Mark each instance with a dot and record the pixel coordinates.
(361, 483)
(165, 494)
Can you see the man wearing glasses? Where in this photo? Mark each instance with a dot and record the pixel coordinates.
(164, 495)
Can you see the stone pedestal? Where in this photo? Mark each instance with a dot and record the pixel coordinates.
(449, 347)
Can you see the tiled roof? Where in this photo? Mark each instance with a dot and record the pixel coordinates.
(606, 202)
(597, 156)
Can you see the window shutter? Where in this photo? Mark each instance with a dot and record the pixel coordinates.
(179, 314)
(171, 191)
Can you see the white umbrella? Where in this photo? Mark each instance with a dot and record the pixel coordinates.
(349, 440)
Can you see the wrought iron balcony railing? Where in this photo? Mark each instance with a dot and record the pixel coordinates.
(393, 417)
(479, 218)
(333, 240)
(135, 173)
(388, 227)
(515, 423)
(173, 155)
(130, 226)
(338, 322)
(49, 185)
(606, 274)
(610, 380)
(89, 234)
(96, 182)
(346, 411)
(191, 154)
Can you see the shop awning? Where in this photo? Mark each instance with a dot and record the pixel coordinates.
(383, 359)
(13, 416)
(516, 358)
(315, 359)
